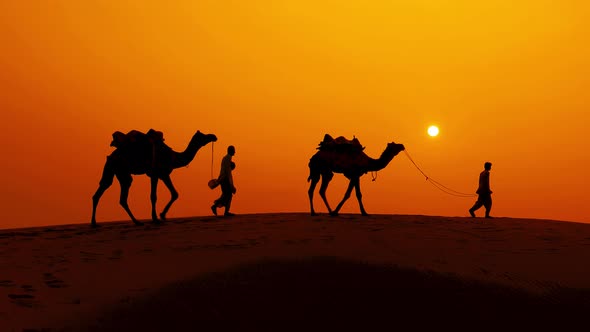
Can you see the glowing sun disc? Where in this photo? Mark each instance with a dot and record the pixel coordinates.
(433, 131)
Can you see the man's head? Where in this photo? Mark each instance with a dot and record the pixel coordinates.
(487, 165)
(231, 150)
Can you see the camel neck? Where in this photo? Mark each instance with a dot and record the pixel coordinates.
(380, 163)
(184, 158)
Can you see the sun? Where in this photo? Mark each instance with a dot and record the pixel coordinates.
(433, 131)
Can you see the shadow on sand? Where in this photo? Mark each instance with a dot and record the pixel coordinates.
(328, 294)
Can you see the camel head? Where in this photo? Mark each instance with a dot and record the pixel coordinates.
(390, 152)
(203, 139)
(395, 148)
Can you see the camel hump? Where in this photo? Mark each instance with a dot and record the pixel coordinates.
(340, 144)
(135, 136)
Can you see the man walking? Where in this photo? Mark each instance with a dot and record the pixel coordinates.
(484, 192)
(226, 182)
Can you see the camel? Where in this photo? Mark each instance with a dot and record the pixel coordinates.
(137, 153)
(347, 157)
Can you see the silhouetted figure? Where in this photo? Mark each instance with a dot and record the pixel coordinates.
(138, 153)
(344, 156)
(484, 192)
(226, 182)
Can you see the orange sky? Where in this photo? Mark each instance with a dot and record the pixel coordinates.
(506, 82)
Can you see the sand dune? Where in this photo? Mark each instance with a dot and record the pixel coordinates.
(292, 272)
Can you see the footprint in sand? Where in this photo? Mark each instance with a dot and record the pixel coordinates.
(297, 241)
(52, 282)
(116, 254)
(327, 238)
(64, 236)
(28, 288)
(89, 256)
(88, 232)
(462, 241)
(75, 300)
(23, 300)
(20, 296)
(7, 283)
(232, 246)
(186, 248)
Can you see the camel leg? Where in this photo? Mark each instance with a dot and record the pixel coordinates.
(105, 182)
(326, 178)
(95, 198)
(314, 181)
(359, 197)
(125, 182)
(351, 184)
(173, 195)
(154, 197)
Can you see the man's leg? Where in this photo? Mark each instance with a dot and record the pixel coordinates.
(221, 201)
(488, 205)
(226, 190)
(227, 206)
(217, 203)
(476, 206)
(214, 208)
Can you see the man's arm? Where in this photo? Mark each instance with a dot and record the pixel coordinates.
(486, 182)
(225, 171)
(231, 179)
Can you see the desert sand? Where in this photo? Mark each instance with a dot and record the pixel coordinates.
(291, 271)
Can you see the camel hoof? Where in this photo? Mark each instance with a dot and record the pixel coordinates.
(162, 217)
(138, 223)
(334, 214)
(365, 214)
(313, 214)
(94, 225)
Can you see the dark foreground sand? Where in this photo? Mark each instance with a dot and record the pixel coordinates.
(293, 272)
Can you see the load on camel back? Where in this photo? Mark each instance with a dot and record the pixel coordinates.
(142, 148)
(121, 140)
(340, 144)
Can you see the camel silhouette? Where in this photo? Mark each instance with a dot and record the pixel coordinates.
(347, 157)
(138, 153)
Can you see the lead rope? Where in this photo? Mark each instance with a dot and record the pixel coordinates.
(437, 184)
(212, 145)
